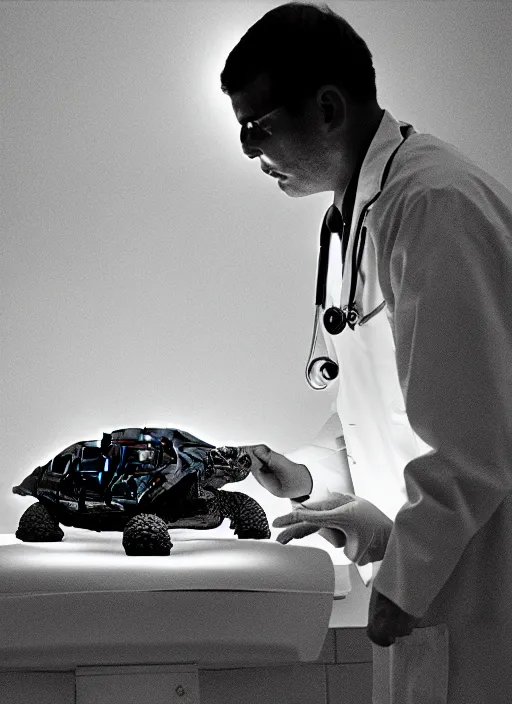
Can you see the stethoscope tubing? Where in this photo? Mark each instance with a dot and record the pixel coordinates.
(317, 374)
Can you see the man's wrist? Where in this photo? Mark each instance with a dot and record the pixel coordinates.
(305, 497)
(310, 482)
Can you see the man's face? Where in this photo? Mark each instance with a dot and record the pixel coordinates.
(296, 147)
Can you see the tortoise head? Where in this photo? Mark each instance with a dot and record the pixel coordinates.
(226, 465)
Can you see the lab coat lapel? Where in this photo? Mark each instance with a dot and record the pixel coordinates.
(387, 138)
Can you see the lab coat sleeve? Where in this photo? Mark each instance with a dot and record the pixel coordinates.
(325, 456)
(452, 287)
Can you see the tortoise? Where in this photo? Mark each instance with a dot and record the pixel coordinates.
(143, 482)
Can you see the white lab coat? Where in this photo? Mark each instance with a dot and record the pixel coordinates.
(424, 411)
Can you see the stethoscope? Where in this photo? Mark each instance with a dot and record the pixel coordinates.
(322, 370)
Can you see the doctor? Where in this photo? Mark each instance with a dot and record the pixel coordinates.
(412, 475)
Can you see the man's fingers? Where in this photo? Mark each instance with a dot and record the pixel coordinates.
(330, 504)
(273, 460)
(288, 520)
(250, 452)
(296, 532)
(302, 529)
(379, 637)
(262, 452)
(387, 621)
(321, 518)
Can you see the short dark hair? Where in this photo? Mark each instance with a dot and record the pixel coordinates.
(301, 47)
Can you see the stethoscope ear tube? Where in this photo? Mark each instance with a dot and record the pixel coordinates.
(333, 222)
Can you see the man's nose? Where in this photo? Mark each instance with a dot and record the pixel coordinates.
(249, 147)
(251, 151)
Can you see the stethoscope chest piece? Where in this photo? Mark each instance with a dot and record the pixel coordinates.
(336, 319)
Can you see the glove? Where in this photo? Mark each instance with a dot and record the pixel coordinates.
(387, 621)
(276, 473)
(352, 521)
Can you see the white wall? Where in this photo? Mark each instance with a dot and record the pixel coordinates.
(150, 273)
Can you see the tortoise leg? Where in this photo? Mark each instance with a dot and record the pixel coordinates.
(248, 519)
(146, 534)
(38, 525)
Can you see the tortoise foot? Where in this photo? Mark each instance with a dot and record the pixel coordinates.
(37, 525)
(248, 519)
(146, 534)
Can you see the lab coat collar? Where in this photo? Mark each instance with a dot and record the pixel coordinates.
(386, 140)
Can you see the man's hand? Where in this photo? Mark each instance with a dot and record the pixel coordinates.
(277, 474)
(365, 528)
(387, 621)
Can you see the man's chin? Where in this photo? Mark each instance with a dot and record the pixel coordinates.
(295, 190)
